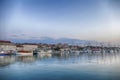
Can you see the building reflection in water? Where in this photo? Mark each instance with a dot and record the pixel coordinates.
(98, 58)
(7, 60)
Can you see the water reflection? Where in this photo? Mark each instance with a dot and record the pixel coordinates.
(97, 58)
(26, 59)
(7, 60)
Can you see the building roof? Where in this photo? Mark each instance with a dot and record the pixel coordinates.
(3, 41)
(19, 45)
(30, 44)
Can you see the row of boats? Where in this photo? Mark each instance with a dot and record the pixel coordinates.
(44, 52)
(22, 52)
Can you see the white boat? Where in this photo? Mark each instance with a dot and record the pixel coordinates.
(43, 53)
(2, 52)
(24, 53)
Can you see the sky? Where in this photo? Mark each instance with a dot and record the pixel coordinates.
(79, 19)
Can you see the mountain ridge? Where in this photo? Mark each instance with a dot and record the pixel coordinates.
(49, 40)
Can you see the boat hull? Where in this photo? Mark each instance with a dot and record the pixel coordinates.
(5, 54)
(25, 54)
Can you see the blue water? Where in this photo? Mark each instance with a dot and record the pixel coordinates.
(74, 67)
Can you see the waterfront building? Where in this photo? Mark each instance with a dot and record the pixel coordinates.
(29, 46)
(7, 45)
(19, 47)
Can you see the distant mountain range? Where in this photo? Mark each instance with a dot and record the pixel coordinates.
(49, 40)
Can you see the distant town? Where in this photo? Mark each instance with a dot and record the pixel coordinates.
(8, 47)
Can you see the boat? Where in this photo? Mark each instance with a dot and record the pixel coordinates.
(43, 53)
(24, 53)
(2, 52)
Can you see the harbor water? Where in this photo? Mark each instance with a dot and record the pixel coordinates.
(85, 66)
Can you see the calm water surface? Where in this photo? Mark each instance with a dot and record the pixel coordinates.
(85, 66)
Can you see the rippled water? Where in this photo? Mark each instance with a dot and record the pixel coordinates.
(84, 66)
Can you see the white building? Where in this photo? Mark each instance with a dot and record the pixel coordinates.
(29, 47)
(7, 45)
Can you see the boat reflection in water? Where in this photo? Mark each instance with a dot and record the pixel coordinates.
(99, 58)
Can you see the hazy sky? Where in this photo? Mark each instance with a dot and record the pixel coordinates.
(80, 19)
